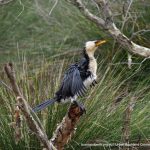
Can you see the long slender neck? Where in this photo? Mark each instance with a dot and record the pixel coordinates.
(86, 56)
(92, 64)
(90, 55)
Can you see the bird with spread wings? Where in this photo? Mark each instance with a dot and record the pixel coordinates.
(77, 79)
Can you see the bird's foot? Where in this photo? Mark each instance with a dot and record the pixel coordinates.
(80, 105)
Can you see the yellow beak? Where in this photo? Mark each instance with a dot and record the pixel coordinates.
(100, 42)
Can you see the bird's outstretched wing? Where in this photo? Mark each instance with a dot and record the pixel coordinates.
(72, 82)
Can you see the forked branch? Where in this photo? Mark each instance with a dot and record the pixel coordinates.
(109, 26)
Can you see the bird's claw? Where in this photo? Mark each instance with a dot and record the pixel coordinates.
(80, 105)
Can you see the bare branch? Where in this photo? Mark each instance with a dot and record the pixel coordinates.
(53, 7)
(4, 2)
(106, 12)
(25, 108)
(88, 14)
(42, 12)
(4, 84)
(111, 28)
(126, 13)
(11, 76)
(140, 32)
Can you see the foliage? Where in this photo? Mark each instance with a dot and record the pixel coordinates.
(104, 118)
(35, 41)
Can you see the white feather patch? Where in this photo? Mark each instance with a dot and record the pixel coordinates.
(89, 81)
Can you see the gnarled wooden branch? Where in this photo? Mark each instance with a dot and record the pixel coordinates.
(108, 25)
(34, 126)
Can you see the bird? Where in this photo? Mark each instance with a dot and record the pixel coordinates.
(77, 78)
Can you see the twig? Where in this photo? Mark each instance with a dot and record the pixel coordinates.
(53, 7)
(42, 12)
(129, 60)
(67, 53)
(3, 83)
(21, 10)
(4, 2)
(126, 14)
(124, 63)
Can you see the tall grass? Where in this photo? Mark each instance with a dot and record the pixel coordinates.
(104, 119)
(26, 28)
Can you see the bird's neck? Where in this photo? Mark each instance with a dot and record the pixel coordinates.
(92, 63)
(88, 55)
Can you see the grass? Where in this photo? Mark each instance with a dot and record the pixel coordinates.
(27, 28)
(39, 45)
(104, 119)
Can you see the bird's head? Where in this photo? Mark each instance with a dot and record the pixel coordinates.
(91, 46)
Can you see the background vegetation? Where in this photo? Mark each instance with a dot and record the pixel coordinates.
(42, 40)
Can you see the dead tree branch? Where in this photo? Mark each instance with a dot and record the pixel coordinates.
(108, 25)
(140, 32)
(4, 2)
(25, 108)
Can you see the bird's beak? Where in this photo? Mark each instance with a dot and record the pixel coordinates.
(100, 42)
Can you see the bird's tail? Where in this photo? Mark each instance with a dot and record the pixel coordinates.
(44, 104)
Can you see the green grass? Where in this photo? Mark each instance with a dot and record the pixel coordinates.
(37, 42)
(27, 27)
(103, 121)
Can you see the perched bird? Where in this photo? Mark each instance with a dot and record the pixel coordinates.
(77, 78)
